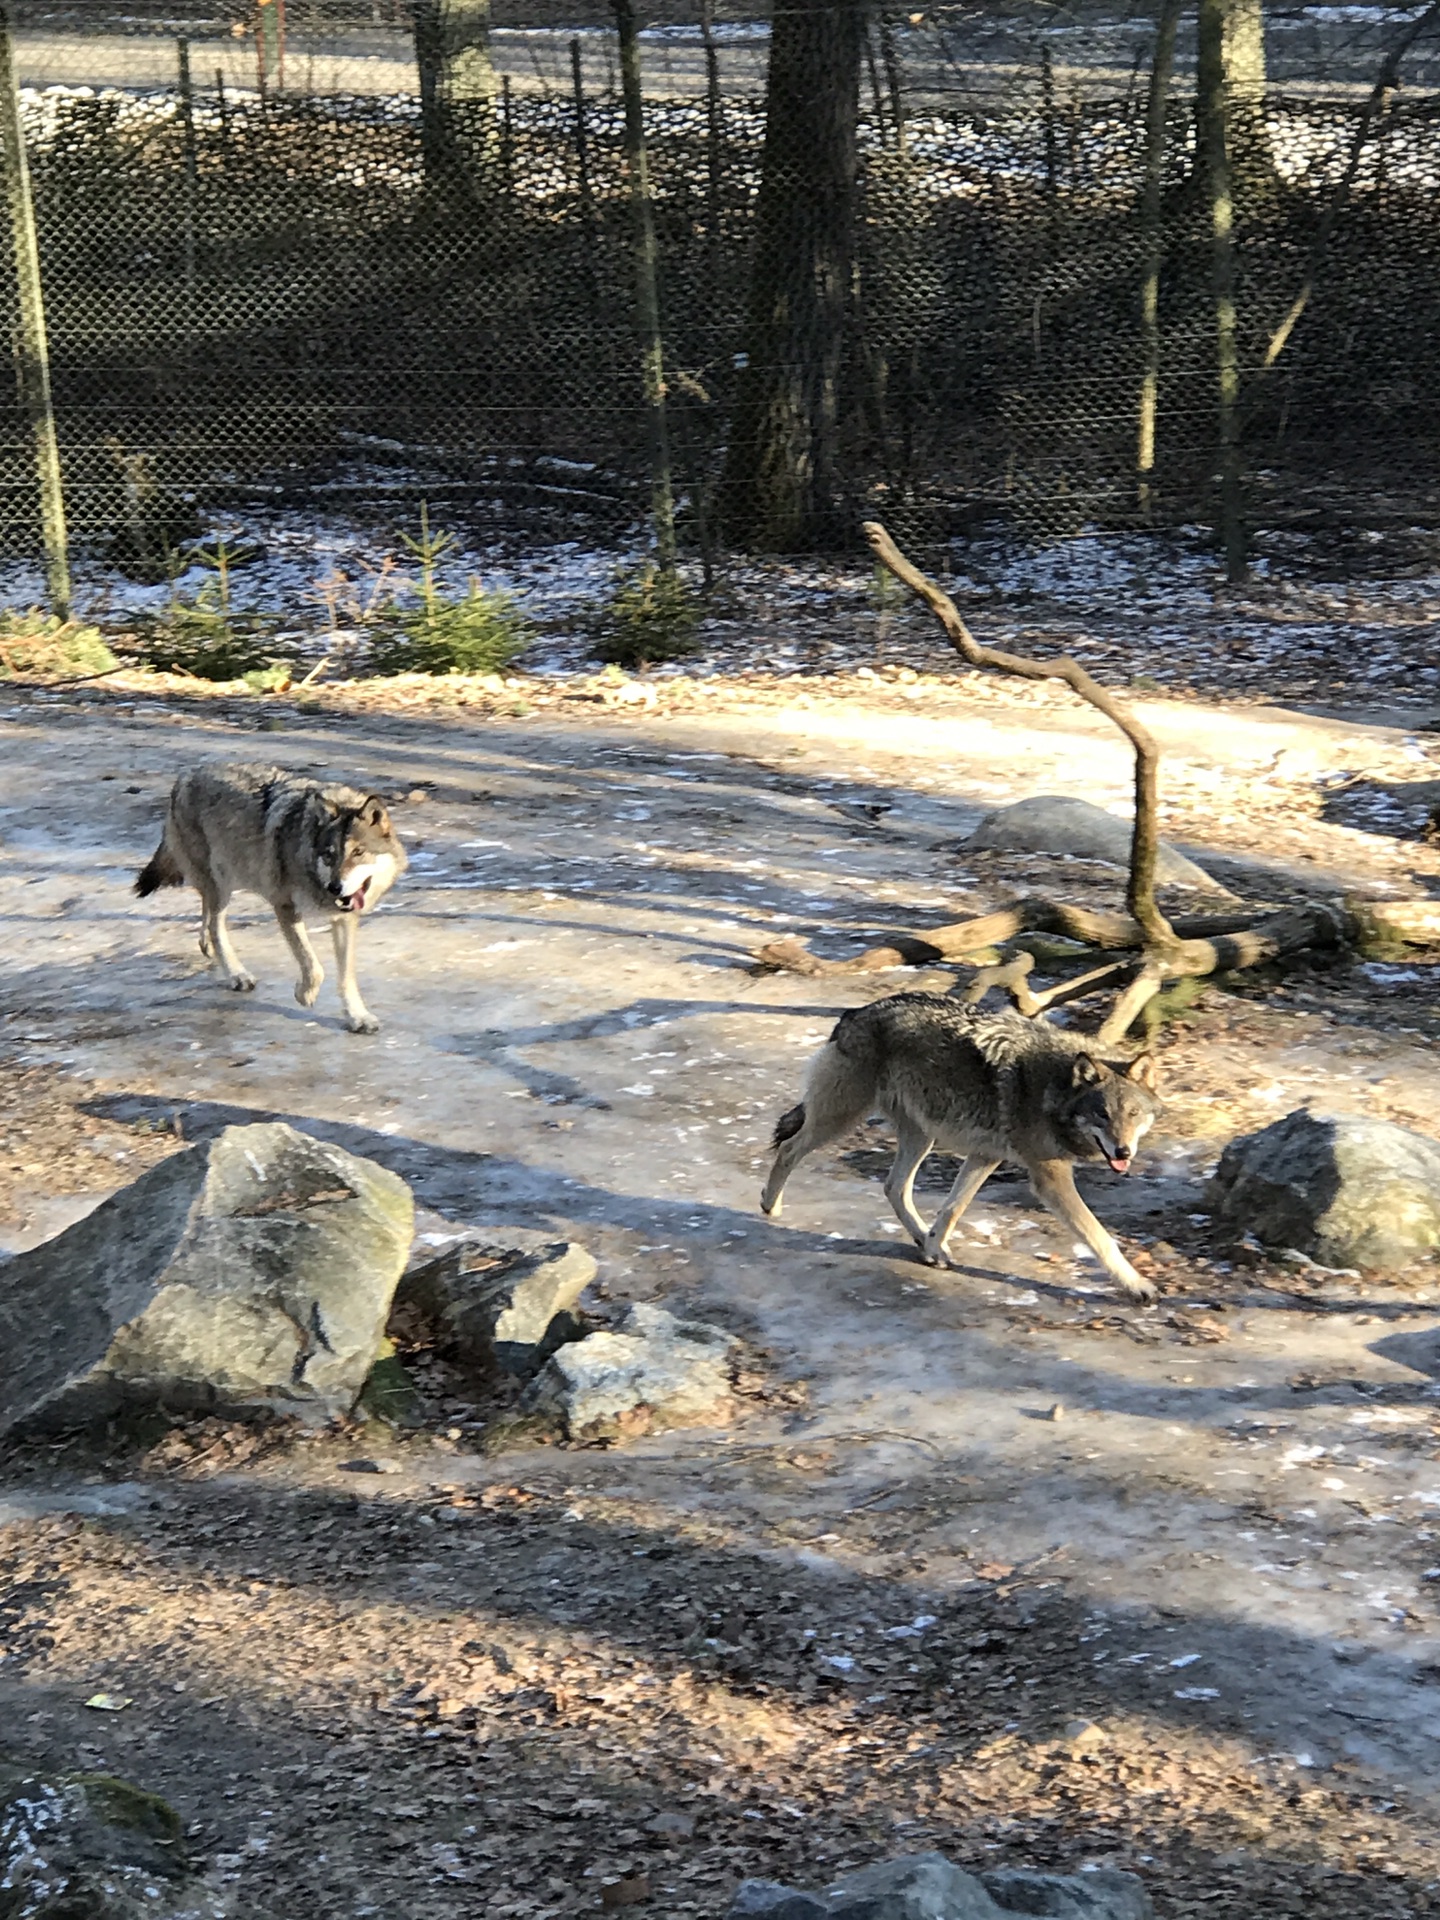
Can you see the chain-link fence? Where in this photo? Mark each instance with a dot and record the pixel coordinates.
(265, 283)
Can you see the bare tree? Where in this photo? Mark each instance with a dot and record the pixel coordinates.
(778, 489)
(1371, 121)
(457, 89)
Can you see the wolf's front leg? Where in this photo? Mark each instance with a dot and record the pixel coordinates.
(975, 1170)
(358, 1016)
(298, 941)
(1054, 1185)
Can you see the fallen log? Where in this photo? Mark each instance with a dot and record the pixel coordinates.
(1091, 926)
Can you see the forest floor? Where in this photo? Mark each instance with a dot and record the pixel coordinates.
(990, 1560)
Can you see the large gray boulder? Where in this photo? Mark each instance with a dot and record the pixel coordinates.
(1345, 1189)
(768, 1900)
(927, 1886)
(1056, 823)
(1106, 1894)
(655, 1372)
(95, 1848)
(921, 1886)
(254, 1271)
(498, 1307)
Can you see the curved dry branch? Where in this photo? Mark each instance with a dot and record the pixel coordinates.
(1159, 936)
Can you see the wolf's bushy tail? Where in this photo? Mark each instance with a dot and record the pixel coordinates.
(162, 870)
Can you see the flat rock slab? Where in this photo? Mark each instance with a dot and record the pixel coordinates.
(1056, 823)
(655, 1372)
(495, 1307)
(254, 1271)
(1345, 1189)
(927, 1886)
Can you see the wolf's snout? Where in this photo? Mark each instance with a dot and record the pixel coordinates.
(353, 899)
(1120, 1159)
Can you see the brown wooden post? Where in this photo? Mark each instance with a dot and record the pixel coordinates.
(647, 285)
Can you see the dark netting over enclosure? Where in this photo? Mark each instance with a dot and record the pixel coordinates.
(344, 285)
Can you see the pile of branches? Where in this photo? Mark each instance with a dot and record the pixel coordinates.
(1155, 953)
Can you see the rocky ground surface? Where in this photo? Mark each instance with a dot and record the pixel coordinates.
(989, 1560)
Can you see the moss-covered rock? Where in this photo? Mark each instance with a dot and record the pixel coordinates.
(94, 1847)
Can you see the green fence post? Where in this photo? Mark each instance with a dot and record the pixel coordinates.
(32, 353)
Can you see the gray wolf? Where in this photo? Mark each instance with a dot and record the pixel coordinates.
(990, 1086)
(312, 851)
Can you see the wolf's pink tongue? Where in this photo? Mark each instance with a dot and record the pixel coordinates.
(1119, 1165)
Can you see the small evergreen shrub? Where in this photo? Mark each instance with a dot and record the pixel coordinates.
(481, 633)
(650, 618)
(206, 636)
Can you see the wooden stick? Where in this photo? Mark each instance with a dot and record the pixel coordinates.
(1091, 926)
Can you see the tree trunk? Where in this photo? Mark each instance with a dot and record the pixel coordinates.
(1153, 242)
(647, 285)
(457, 90)
(779, 481)
(1212, 96)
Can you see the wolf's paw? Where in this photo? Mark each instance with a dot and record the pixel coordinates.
(241, 982)
(306, 990)
(1134, 1286)
(362, 1022)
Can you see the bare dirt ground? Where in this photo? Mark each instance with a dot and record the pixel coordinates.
(989, 1560)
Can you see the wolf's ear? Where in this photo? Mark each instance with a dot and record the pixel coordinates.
(374, 815)
(1087, 1072)
(1143, 1071)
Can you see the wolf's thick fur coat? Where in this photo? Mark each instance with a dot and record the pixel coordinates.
(991, 1086)
(310, 850)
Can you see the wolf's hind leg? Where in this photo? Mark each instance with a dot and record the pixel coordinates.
(912, 1143)
(298, 941)
(833, 1102)
(975, 1170)
(215, 940)
(1054, 1185)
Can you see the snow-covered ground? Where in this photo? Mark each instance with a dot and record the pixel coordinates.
(1131, 606)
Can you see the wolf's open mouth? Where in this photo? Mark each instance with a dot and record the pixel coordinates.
(354, 902)
(1117, 1164)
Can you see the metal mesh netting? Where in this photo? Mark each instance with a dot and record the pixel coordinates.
(266, 294)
